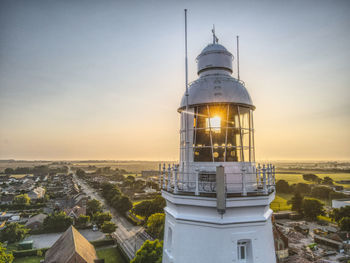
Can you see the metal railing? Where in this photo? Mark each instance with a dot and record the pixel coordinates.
(260, 181)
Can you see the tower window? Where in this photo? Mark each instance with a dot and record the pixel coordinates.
(169, 241)
(244, 251)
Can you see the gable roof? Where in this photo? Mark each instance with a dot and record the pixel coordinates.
(71, 245)
(37, 218)
(76, 211)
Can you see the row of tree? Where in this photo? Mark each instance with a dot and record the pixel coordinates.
(314, 178)
(116, 198)
(36, 170)
(316, 191)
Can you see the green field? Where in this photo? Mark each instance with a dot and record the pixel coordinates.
(110, 255)
(298, 178)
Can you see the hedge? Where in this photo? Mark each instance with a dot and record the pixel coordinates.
(103, 242)
(28, 252)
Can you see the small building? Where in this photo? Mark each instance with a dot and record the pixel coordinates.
(71, 247)
(338, 203)
(35, 222)
(75, 212)
(25, 245)
(302, 229)
(6, 199)
(37, 193)
(281, 244)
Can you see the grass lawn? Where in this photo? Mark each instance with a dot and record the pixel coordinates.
(110, 255)
(280, 202)
(325, 218)
(32, 259)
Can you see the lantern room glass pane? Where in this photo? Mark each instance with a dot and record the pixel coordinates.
(222, 133)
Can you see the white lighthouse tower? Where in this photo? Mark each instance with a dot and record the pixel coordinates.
(217, 199)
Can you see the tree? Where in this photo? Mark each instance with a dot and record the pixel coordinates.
(344, 224)
(80, 173)
(296, 202)
(22, 199)
(338, 213)
(93, 206)
(122, 204)
(142, 208)
(100, 218)
(13, 232)
(82, 221)
(312, 208)
(150, 252)
(321, 192)
(302, 188)
(149, 207)
(337, 195)
(312, 178)
(327, 180)
(57, 222)
(9, 171)
(282, 186)
(108, 227)
(155, 225)
(118, 177)
(5, 257)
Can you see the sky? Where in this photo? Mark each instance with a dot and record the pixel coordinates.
(103, 79)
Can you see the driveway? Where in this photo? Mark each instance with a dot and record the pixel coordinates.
(47, 240)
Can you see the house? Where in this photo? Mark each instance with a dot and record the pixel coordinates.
(338, 203)
(35, 222)
(281, 244)
(37, 193)
(75, 212)
(71, 247)
(80, 200)
(6, 199)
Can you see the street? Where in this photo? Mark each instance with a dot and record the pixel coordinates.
(130, 237)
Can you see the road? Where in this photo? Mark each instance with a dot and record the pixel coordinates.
(130, 237)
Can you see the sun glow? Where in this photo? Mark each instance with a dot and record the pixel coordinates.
(213, 124)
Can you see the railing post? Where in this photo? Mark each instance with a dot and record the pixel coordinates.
(175, 179)
(259, 174)
(197, 183)
(160, 176)
(268, 173)
(274, 177)
(244, 188)
(264, 179)
(168, 182)
(164, 171)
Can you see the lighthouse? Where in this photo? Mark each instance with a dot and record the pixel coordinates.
(217, 197)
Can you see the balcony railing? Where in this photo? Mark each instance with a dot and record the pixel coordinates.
(261, 181)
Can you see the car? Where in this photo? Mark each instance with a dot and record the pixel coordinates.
(94, 228)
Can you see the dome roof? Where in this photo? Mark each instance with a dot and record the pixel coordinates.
(214, 56)
(213, 47)
(217, 88)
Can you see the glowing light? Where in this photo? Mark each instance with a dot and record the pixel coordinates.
(214, 124)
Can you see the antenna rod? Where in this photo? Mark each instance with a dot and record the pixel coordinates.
(186, 94)
(238, 58)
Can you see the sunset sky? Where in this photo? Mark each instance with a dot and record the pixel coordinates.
(104, 79)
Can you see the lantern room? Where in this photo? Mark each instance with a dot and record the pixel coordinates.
(219, 112)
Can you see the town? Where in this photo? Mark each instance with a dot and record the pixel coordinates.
(114, 212)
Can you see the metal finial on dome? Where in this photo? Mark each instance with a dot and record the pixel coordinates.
(215, 39)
